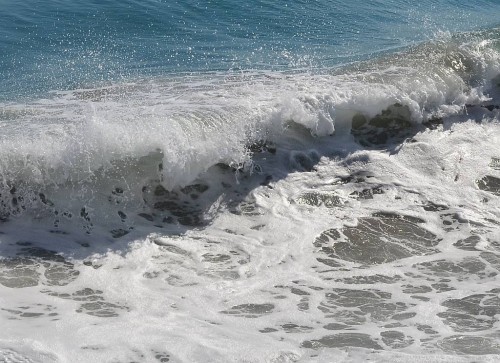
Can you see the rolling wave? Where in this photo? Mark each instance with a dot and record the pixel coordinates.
(170, 132)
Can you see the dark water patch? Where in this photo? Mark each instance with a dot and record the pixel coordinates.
(174, 279)
(146, 216)
(396, 339)
(32, 311)
(337, 326)
(394, 216)
(420, 298)
(303, 304)
(464, 269)
(491, 107)
(186, 205)
(120, 232)
(330, 262)
(294, 328)
(378, 239)
(492, 259)
(355, 178)
(268, 330)
(394, 325)
(404, 316)
(489, 184)
(185, 214)
(303, 161)
(250, 310)
(19, 272)
(161, 357)
(442, 287)
(492, 245)
(471, 313)
(92, 303)
(59, 231)
(453, 221)
(495, 163)
(151, 274)
(93, 347)
(165, 246)
(122, 215)
(370, 280)
(31, 263)
(468, 244)
(246, 207)
(433, 123)
(267, 181)
(354, 307)
(421, 289)
(101, 309)
(319, 199)
(299, 292)
(194, 190)
(222, 266)
(391, 125)
(262, 146)
(304, 296)
(91, 263)
(433, 207)
(217, 258)
(427, 329)
(344, 316)
(367, 193)
(466, 344)
(343, 340)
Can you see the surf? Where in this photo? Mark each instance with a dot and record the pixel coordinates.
(172, 131)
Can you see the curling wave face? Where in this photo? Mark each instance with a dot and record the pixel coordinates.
(306, 208)
(169, 132)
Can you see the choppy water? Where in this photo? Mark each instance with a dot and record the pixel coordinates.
(311, 181)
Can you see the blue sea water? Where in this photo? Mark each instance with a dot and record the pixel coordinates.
(249, 181)
(60, 45)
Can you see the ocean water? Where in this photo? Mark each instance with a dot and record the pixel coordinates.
(227, 181)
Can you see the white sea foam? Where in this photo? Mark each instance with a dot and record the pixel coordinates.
(318, 248)
(252, 287)
(196, 122)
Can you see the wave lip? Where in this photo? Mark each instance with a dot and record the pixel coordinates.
(171, 131)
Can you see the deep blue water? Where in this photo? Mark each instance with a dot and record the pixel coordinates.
(57, 45)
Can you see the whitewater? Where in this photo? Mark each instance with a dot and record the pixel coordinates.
(301, 183)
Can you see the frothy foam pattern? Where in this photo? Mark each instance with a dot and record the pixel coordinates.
(341, 216)
(197, 122)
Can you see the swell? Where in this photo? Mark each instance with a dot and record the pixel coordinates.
(64, 45)
(131, 144)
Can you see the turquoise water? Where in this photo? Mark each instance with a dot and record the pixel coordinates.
(60, 45)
